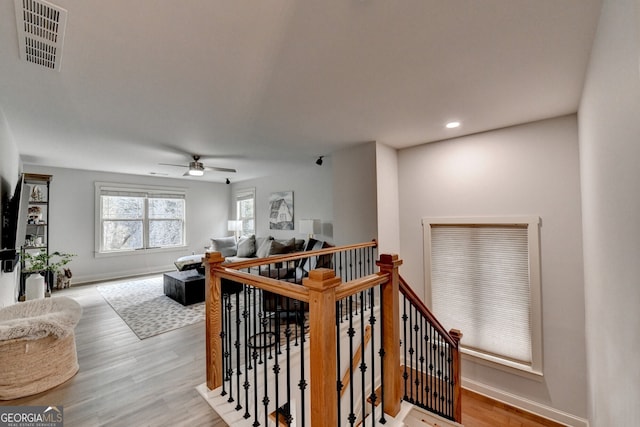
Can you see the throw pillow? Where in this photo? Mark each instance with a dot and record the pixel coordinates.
(308, 264)
(263, 245)
(246, 247)
(225, 245)
(300, 244)
(279, 247)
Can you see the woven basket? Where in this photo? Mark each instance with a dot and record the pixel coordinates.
(37, 345)
(33, 366)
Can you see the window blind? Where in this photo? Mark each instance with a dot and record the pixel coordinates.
(134, 217)
(480, 285)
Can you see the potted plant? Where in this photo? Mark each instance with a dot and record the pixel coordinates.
(46, 264)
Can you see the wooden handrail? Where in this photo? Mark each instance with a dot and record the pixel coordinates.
(321, 290)
(358, 285)
(276, 286)
(424, 310)
(274, 259)
(232, 271)
(452, 338)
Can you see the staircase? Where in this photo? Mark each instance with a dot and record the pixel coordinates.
(364, 352)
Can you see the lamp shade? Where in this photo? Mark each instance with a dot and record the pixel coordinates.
(309, 226)
(233, 225)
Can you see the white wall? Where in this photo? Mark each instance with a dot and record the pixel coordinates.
(312, 199)
(388, 203)
(609, 154)
(354, 194)
(72, 221)
(531, 169)
(9, 173)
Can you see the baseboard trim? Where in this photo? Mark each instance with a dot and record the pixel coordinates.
(523, 404)
(93, 279)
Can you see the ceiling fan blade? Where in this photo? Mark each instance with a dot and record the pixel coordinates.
(221, 156)
(213, 168)
(171, 164)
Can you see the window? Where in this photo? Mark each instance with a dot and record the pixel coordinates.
(483, 278)
(138, 218)
(245, 210)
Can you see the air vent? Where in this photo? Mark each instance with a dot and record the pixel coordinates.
(41, 27)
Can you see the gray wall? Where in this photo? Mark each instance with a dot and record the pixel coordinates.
(531, 169)
(387, 200)
(9, 172)
(609, 150)
(312, 199)
(209, 206)
(72, 221)
(354, 194)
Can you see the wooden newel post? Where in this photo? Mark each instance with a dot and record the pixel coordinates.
(391, 333)
(213, 312)
(322, 341)
(457, 375)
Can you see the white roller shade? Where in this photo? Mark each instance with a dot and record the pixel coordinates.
(480, 285)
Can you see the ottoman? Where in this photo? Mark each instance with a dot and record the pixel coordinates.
(37, 345)
(185, 287)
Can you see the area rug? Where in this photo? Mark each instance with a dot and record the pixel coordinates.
(145, 308)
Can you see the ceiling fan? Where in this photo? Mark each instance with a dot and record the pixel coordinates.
(196, 168)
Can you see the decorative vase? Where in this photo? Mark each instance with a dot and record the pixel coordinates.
(34, 286)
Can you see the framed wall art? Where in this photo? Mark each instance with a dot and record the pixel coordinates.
(281, 210)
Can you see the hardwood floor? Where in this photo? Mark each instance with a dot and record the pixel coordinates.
(479, 411)
(124, 381)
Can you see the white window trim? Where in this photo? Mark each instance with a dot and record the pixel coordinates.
(535, 370)
(245, 193)
(149, 189)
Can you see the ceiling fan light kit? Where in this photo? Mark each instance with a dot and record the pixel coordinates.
(197, 169)
(195, 172)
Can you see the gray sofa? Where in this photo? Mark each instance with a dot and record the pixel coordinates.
(251, 247)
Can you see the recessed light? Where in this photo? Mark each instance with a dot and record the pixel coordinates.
(452, 125)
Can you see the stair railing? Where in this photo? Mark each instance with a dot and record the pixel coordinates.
(431, 359)
(372, 298)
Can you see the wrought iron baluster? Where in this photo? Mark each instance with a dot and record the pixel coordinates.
(265, 399)
(254, 356)
(441, 375)
(351, 333)
(288, 360)
(449, 382)
(237, 350)
(420, 341)
(411, 355)
(432, 368)
(363, 365)
(339, 383)
(302, 385)
(382, 356)
(223, 338)
(360, 266)
(247, 360)
(276, 364)
(372, 322)
(405, 374)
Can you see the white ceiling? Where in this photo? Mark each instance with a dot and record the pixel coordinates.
(273, 84)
